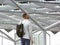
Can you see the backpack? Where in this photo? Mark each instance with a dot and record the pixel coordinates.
(20, 30)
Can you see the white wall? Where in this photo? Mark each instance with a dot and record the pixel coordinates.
(7, 42)
(55, 39)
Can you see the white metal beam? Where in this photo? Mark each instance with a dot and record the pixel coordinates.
(52, 25)
(6, 16)
(4, 37)
(5, 11)
(6, 7)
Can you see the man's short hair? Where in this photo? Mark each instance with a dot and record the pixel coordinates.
(24, 14)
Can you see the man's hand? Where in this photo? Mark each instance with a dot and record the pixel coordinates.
(31, 42)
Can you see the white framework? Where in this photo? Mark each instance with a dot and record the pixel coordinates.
(51, 11)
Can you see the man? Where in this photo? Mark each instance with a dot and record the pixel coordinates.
(27, 38)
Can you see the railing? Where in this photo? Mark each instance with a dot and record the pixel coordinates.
(37, 38)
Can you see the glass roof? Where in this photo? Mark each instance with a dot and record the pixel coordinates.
(44, 13)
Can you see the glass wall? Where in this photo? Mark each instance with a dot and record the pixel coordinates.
(38, 38)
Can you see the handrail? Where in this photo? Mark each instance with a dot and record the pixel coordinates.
(4, 37)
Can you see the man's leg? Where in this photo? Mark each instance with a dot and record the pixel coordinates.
(27, 42)
(22, 41)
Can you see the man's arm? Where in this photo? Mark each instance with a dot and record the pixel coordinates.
(30, 30)
(31, 34)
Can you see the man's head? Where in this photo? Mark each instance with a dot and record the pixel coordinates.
(25, 16)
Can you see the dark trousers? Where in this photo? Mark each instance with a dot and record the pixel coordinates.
(25, 41)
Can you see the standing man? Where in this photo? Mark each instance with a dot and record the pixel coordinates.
(27, 38)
